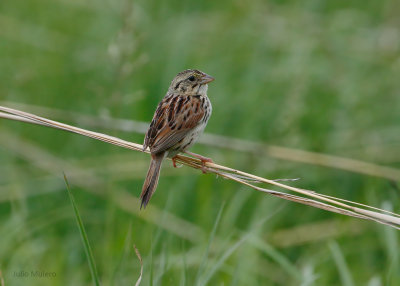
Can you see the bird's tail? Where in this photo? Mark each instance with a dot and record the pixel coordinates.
(151, 181)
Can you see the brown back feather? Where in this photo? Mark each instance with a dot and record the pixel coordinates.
(171, 122)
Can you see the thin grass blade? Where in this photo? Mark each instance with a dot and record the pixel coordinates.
(344, 271)
(211, 239)
(85, 240)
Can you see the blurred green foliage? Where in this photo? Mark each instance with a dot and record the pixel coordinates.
(314, 75)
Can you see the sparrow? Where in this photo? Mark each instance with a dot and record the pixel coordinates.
(178, 121)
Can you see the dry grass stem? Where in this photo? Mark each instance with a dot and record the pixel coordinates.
(225, 142)
(305, 197)
(141, 265)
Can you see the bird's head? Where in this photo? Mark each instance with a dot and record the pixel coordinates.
(190, 82)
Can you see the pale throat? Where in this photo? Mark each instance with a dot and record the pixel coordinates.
(201, 90)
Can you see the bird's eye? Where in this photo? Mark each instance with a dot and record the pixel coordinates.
(191, 78)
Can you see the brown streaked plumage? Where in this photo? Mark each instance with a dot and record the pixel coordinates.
(178, 121)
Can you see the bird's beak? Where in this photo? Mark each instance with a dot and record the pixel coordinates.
(206, 79)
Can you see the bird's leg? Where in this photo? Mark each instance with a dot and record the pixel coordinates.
(202, 159)
(174, 162)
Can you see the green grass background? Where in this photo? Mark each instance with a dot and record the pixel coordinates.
(314, 75)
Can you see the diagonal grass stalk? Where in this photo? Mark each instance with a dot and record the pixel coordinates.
(306, 197)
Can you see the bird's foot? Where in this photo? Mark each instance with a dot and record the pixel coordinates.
(203, 160)
(174, 162)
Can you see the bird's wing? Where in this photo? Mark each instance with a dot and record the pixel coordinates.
(174, 118)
